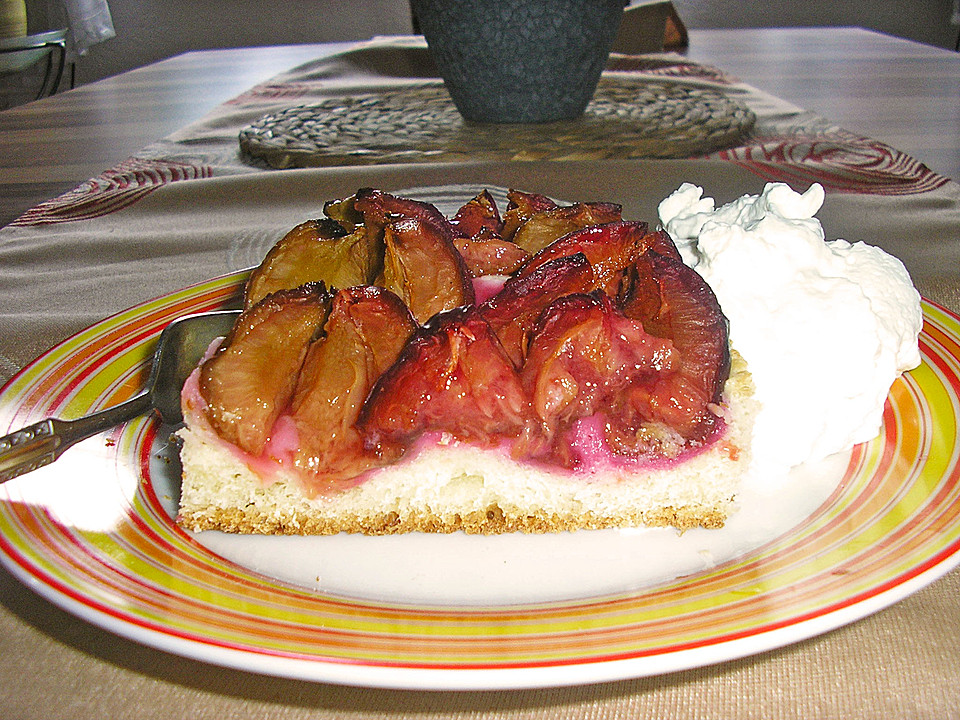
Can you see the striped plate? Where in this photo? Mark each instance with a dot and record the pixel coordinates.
(93, 533)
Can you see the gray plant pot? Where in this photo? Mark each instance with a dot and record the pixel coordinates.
(519, 61)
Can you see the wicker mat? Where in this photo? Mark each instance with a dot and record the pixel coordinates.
(628, 118)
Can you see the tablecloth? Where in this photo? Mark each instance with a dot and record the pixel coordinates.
(192, 206)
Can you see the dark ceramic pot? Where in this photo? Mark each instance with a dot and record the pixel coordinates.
(519, 61)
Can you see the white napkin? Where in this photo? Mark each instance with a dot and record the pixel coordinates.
(89, 22)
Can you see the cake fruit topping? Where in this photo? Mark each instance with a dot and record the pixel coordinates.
(363, 334)
(250, 379)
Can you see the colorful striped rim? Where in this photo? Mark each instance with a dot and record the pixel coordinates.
(92, 534)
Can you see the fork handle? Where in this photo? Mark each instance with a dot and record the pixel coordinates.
(40, 444)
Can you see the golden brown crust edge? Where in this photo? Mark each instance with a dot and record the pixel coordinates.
(494, 521)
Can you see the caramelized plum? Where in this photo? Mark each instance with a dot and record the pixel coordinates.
(452, 377)
(362, 337)
(314, 251)
(609, 249)
(583, 355)
(661, 243)
(673, 301)
(544, 227)
(521, 206)
(663, 417)
(378, 208)
(249, 381)
(344, 212)
(481, 213)
(422, 266)
(513, 312)
(486, 253)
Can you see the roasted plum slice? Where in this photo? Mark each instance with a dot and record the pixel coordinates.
(584, 355)
(378, 208)
(422, 265)
(480, 213)
(521, 206)
(661, 243)
(314, 251)
(513, 312)
(344, 212)
(544, 227)
(610, 249)
(674, 302)
(486, 253)
(452, 377)
(251, 377)
(661, 418)
(362, 337)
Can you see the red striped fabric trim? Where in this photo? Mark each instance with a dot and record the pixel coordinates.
(841, 162)
(113, 190)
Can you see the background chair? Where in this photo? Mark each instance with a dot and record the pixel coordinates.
(20, 57)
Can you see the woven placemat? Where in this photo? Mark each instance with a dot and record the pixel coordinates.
(628, 118)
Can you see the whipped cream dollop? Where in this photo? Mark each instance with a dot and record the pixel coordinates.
(825, 327)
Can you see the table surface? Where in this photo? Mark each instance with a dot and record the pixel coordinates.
(896, 91)
(893, 90)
